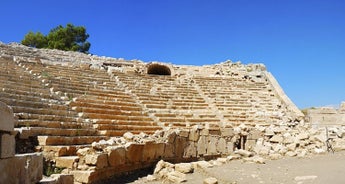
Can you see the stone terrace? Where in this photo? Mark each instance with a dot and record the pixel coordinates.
(64, 101)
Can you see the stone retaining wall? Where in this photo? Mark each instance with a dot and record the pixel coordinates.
(132, 152)
(20, 168)
(326, 116)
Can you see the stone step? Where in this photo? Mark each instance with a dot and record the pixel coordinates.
(125, 127)
(117, 117)
(64, 140)
(121, 122)
(50, 124)
(45, 111)
(26, 132)
(91, 100)
(113, 133)
(109, 111)
(44, 117)
(68, 162)
(63, 150)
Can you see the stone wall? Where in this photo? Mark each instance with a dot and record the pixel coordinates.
(20, 168)
(326, 116)
(120, 155)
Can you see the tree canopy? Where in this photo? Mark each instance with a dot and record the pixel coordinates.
(69, 38)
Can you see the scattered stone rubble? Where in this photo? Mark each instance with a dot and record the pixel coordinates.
(275, 142)
(176, 145)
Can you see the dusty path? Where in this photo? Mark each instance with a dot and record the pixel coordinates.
(319, 169)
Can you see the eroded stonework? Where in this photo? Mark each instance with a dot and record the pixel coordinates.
(99, 117)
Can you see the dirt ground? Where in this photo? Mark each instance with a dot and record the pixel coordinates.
(319, 169)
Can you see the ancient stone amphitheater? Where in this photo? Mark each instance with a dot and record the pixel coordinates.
(99, 117)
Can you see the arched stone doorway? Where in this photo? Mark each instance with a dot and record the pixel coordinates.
(158, 69)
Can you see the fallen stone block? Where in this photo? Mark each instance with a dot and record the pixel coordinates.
(277, 139)
(210, 180)
(244, 153)
(303, 136)
(184, 167)
(176, 177)
(202, 164)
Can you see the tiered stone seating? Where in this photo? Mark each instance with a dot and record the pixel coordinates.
(174, 102)
(242, 100)
(39, 112)
(97, 99)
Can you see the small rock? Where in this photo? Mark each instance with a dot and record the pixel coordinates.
(291, 154)
(150, 178)
(319, 150)
(275, 156)
(128, 136)
(303, 178)
(202, 164)
(210, 180)
(244, 153)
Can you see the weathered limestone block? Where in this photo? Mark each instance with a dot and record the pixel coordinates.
(202, 164)
(210, 180)
(277, 139)
(212, 145)
(250, 144)
(202, 145)
(169, 151)
(184, 167)
(134, 153)
(227, 132)
(194, 135)
(171, 137)
(84, 176)
(254, 134)
(303, 136)
(230, 147)
(184, 133)
(63, 178)
(6, 118)
(180, 144)
(190, 150)
(176, 177)
(116, 156)
(153, 151)
(66, 162)
(221, 146)
(23, 168)
(205, 132)
(98, 160)
(7, 145)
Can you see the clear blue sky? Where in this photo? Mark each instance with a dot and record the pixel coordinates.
(302, 42)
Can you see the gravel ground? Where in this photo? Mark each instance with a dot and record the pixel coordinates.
(317, 169)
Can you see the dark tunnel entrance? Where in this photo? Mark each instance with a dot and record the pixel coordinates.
(157, 69)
